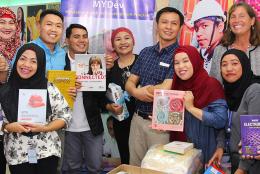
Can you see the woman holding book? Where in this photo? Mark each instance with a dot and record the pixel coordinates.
(242, 92)
(32, 148)
(205, 107)
(122, 40)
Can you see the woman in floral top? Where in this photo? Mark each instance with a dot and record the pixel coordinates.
(32, 148)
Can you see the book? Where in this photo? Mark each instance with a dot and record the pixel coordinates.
(32, 106)
(178, 147)
(168, 110)
(116, 95)
(213, 170)
(91, 71)
(63, 80)
(250, 134)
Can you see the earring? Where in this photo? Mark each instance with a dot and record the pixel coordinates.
(252, 27)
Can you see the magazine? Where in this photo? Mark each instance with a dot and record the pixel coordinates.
(116, 95)
(91, 71)
(32, 106)
(250, 134)
(168, 110)
(63, 80)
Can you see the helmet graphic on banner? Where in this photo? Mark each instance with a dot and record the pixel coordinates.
(207, 8)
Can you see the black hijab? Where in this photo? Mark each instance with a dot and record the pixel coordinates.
(235, 91)
(9, 93)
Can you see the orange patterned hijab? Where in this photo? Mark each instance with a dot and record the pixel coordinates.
(8, 47)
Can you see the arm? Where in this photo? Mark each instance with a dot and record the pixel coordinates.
(141, 93)
(166, 84)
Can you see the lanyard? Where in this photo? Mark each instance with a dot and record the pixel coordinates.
(229, 120)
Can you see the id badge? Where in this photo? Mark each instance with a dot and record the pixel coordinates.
(32, 157)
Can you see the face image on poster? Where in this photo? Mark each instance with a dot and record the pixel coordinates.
(204, 26)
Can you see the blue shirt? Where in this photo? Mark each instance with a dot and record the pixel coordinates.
(153, 66)
(54, 60)
(204, 133)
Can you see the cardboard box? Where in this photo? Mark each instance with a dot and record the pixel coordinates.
(133, 170)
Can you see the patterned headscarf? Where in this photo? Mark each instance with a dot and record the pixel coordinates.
(8, 47)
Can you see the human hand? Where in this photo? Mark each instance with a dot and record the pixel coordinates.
(77, 84)
(17, 127)
(109, 61)
(240, 171)
(188, 100)
(72, 91)
(217, 156)
(249, 157)
(143, 94)
(34, 127)
(3, 63)
(115, 108)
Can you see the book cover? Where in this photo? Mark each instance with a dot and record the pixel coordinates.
(250, 134)
(178, 147)
(63, 80)
(116, 95)
(32, 105)
(91, 71)
(213, 170)
(168, 110)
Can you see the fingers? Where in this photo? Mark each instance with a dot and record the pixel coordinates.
(78, 84)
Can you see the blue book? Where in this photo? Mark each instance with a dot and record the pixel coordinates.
(250, 134)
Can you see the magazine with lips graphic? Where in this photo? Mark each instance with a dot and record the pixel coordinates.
(168, 110)
(32, 106)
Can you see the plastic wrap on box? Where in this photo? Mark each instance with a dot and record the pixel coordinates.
(158, 159)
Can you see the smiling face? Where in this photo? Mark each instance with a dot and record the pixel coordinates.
(168, 27)
(231, 68)
(78, 41)
(19, 14)
(51, 28)
(240, 22)
(204, 29)
(7, 28)
(123, 43)
(27, 64)
(95, 66)
(182, 66)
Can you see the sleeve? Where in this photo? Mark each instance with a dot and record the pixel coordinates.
(221, 138)
(252, 102)
(216, 114)
(59, 106)
(215, 65)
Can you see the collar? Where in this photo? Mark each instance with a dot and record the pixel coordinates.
(169, 49)
(70, 58)
(44, 46)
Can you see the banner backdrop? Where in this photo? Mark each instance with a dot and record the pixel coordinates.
(100, 17)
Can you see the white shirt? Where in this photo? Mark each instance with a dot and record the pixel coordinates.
(79, 121)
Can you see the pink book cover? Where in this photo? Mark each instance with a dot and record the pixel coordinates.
(168, 110)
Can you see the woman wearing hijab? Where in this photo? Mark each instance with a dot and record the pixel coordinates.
(23, 140)
(122, 41)
(242, 91)
(205, 107)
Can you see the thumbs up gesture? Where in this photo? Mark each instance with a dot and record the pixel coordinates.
(3, 63)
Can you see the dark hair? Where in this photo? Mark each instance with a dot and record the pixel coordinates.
(69, 29)
(170, 10)
(229, 37)
(22, 22)
(51, 11)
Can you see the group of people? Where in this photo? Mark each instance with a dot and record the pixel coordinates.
(213, 103)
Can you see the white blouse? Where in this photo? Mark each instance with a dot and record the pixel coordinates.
(46, 144)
